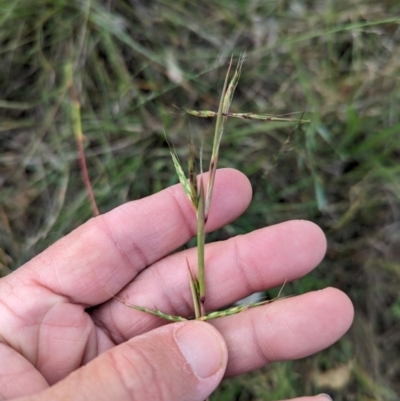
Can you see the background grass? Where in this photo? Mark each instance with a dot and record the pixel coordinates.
(133, 61)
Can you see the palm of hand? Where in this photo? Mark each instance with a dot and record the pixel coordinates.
(57, 312)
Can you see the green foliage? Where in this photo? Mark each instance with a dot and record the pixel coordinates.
(134, 64)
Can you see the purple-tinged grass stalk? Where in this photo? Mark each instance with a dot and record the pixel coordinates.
(78, 133)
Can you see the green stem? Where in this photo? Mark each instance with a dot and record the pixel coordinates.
(200, 245)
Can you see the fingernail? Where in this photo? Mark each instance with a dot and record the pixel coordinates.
(202, 348)
(326, 396)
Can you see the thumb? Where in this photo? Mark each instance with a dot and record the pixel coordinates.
(180, 361)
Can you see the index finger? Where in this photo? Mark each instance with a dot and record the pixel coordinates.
(99, 258)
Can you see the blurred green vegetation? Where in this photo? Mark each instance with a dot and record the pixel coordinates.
(137, 63)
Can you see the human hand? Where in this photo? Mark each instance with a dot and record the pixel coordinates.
(63, 336)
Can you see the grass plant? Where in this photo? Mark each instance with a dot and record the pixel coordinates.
(200, 196)
(133, 60)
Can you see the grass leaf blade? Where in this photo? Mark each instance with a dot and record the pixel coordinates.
(181, 175)
(156, 312)
(194, 288)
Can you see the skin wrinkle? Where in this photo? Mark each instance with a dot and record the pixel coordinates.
(258, 339)
(103, 224)
(138, 252)
(107, 280)
(269, 327)
(41, 280)
(166, 390)
(242, 267)
(134, 372)
(7, 380)
(236, 343)
(255, 336)
(22, 370)
(102, 330)
(148, 371)
(10, 310)
(60, 248)
(43, 342)
(154, 227)
(91, 349)
(39, 341)
(150, 324)
(185, 295)
(117, 335)
(222, 297)
(57, 267)
(81, 278)
(289, 330)
(36, 326)
(14, 347)
(169, 304)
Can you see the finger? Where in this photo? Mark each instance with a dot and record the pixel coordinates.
(183, 361)
(234, 269)
(102, 256)
(284, 330)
